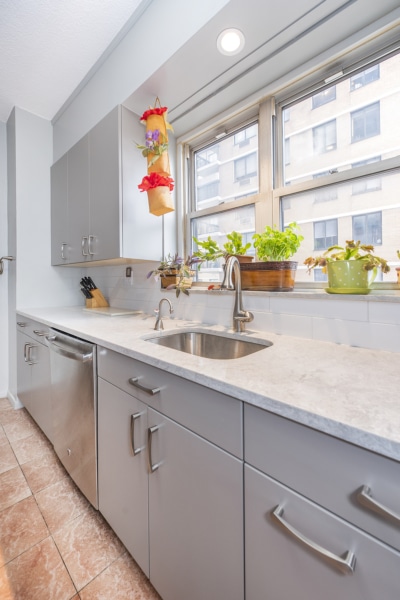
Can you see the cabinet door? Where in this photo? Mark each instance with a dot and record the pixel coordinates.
(195, 515)
(40, 408)
(59, 211)
(122, 468)
(105, 199)
(279, 566)
(78, 201)
(24, 370)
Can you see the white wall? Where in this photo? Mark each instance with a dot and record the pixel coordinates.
(160, 32)
(3, 252)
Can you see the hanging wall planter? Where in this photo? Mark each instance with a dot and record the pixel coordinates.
(158, 183)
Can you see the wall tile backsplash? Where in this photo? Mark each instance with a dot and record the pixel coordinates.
(364, 321)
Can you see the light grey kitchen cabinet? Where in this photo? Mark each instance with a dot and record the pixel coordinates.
(97, 211)
(33, 373)
(122, 468)
(194, 484)
(304, 519)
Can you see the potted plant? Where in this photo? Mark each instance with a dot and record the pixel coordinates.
(351, 268)
(209, 250)
(174, 273)
(273, 271)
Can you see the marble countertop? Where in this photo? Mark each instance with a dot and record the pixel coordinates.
(350, 393)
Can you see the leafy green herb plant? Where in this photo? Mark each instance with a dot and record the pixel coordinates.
(175, 265)
(276, 245)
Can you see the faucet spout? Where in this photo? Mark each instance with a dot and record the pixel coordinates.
(159, 325)
(240, 315)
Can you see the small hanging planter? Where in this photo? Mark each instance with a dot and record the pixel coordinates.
(158, 183)
(158, 187)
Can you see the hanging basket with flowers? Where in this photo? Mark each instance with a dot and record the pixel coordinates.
(158, 183)
(158, 187)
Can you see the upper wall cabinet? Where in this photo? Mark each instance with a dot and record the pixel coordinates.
(97, 211)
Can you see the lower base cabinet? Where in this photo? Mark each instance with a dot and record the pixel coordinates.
(33, 374)
(280, 565)
(174, 498)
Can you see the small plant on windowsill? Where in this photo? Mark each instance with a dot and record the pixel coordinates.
(349, 267)
(175, 273)
(209, 250)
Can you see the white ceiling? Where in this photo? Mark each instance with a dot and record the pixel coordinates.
(47, 47)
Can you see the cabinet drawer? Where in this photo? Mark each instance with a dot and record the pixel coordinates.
(280, 565)
(327, 470)
(35, 330)
(210, 414)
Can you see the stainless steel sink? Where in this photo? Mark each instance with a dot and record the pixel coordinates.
(209, 345)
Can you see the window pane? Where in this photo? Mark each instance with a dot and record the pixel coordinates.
(372, 217)
(217, 226)
(227, 169)
(361, 122)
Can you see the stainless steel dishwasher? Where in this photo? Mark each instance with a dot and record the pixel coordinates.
(74, 407)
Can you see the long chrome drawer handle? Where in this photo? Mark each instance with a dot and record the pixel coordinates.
(345, 564)
(135, 382)
(134, 417)
(150, 432)
(365, 498)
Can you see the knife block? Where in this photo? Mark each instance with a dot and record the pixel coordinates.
(97, 299)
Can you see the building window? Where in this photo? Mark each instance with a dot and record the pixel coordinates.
(364, 78)
(325, 234)
(246, 166)
(319, 275)
(365, 122)
(207, 191)
(328, 95)
(325, 194)
(324, 137)
(368, 228)
(243, 137)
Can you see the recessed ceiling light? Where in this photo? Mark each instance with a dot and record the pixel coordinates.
(230, 41)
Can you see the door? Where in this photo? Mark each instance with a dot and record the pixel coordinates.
(105, 188)
(280, 565)
(78, 201)
(195, 515)
(122, 468)
(59, 212)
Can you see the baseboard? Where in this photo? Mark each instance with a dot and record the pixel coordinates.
(15, 401)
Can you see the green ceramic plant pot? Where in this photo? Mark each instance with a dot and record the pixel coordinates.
(348, 277)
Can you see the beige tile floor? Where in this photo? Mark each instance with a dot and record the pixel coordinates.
(53, 544)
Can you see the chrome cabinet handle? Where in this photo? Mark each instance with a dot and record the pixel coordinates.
(150, 432)
(62, 250)
(134, 418)
(40, 333)
(365, 498)
(345, 564)
(85, 242)
(21, 324)
(27, 353)
(90, 241)
(135, 382)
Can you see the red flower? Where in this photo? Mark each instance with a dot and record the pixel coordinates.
(153, 111)
(155, 180)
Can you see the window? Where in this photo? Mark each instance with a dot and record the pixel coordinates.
(368, 228)
(325, 234)
(364, 78)
(365, 122)
(324, 97)
(324, 137)
(336, 169)
(246, 167)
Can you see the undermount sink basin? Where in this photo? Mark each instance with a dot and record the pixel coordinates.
(209, 345)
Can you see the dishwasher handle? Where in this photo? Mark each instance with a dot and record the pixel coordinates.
(67, 353)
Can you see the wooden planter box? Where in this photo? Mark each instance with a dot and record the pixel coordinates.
(269, 276)
(172, 278)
